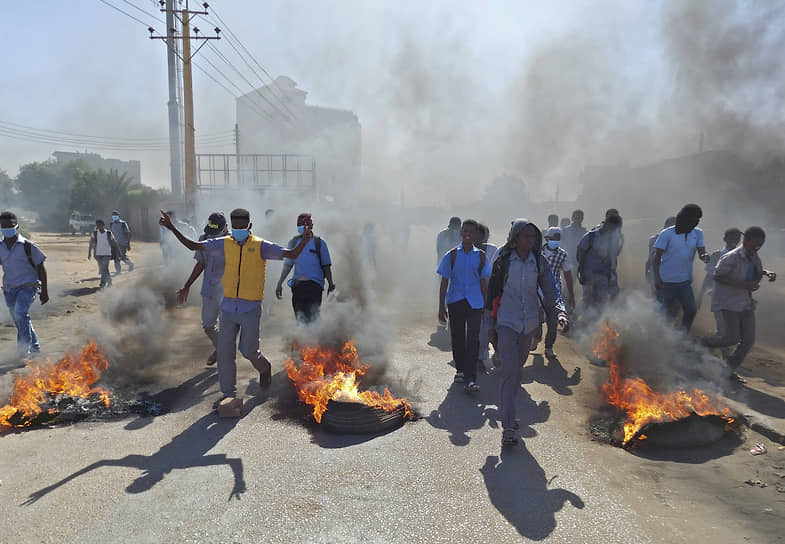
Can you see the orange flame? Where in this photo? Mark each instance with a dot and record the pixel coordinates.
(641, 404)
(70, 376)
(326, 374)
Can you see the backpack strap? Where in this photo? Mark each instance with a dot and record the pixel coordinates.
(29, 253)
(317, 242)
(454, 255)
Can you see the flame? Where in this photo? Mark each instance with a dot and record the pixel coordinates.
(326, 374)
(70, 376)
(639, 402)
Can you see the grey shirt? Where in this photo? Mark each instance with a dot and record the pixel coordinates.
(602, 250)
(17, 271)
(445, 241)
(519, 306)
(735, 265)
(121, 232)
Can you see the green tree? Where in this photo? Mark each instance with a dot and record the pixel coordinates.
(7, 191)
(45, 188)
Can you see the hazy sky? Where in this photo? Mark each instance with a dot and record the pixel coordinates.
(80, 66)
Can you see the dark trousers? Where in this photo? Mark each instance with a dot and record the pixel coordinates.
(681, 293)
(306, 300)
(465, 334)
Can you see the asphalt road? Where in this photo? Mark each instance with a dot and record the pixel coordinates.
(272, 476)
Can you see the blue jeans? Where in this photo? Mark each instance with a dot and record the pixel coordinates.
(19, 300)
(683, 295)
(103, 269)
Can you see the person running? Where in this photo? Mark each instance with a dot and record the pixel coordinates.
(311, 269)
(448, 238)
(122, 234)
(560, 265)
(675, 253)
(571, 236)
(598, 252)
(102, 244)
(24, 277)
(212, 289)
(736, 276)
(513, 307)
(649, 269)
(245, 258)
(464, 271)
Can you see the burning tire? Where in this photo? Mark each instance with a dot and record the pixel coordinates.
(357, 418)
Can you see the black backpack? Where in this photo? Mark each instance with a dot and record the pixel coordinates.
(29, 253)
(317, 242)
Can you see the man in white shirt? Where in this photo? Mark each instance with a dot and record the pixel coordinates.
(101, 243)
(675, 253)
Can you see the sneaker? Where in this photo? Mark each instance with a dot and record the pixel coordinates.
(211, 360)
(735, 378)
(471, 387)
(509, 438)
(219, 401)
(458, 377)
(549, 353)
(130, 267)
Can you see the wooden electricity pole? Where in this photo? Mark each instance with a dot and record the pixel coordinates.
(185, 16)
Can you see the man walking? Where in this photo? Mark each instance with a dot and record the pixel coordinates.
(448, 238)
(514, 307)
(122, 234)
(598, 252)
(245, 258)
(675, 250)
(101, 244)
(731, 238)
(481, 242)
(560, 264)
(571, 236)
(24, 276)
(649, 269)
(464, 271)
(311, 268)
(737, 274)
(212, 289)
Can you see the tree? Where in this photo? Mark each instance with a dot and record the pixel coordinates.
(45, 188)
(7, 191)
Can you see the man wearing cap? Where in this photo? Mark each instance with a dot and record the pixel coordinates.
(311, 268)
(122, 235)
(560, 264)
(245, 258)
(212, 289)
(598, 252)
(24, 276)
(673, 261)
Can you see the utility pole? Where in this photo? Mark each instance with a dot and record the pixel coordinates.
(174, 106)
(185, 16)
(237, 151)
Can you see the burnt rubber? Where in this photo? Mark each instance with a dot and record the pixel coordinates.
(355, 418)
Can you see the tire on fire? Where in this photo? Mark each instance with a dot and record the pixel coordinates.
(356, 418)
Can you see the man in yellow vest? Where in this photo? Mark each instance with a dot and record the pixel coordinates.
(245, 258)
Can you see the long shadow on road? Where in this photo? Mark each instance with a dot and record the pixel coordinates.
(518, 489)
(551, 374)
(759, 401)
(186, 450)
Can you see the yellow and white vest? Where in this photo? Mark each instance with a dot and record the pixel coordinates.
(245, 269)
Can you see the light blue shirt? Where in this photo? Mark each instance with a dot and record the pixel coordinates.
(464, 277)
(308, 266)
(519, 306)
(678, 254)
(16, 267)
(214, 248)
(212, 278)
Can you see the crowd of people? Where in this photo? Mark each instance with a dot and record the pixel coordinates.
(504, 295)
(500, 296)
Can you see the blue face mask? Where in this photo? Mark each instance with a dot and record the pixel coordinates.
(9, 232)
(553, 244)
(115, 218)
(240, 234)
(301, 229)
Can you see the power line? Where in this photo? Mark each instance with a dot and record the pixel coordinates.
(143, 11)
(124, 12)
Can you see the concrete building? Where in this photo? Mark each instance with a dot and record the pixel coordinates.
(275, 120)
(132, 169)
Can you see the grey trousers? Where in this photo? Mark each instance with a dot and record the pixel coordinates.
(513, 350)
(596, 291)
(247, 325)
(738, 329)
(211, 307)
(103, 269)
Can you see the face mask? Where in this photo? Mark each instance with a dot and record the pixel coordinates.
(553, 244)
(9, 232)
(115, 218)
(240, 234)
(301, 229)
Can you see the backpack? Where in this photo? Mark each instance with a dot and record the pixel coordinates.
(317, 242)
(454, 255)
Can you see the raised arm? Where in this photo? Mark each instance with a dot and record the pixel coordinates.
(294, 253)
(166, 222)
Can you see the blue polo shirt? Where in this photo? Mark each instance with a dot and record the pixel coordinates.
(17, 271)
(212, 280)
(464, 276)
(678, 254)
(308, 266)
(214, 249)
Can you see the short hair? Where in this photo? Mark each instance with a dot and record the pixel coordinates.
(551, 216)
(10, 217)
(755, 233)
(611, 212)
(613, 219)
(669, 222)
(99, 222)
(576, 212)
(484, 231)
(455, 221)
(692, 210)
(733, 231)
(470, 223)
(304, 214)
(240, 213)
